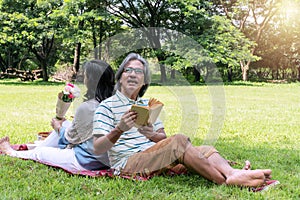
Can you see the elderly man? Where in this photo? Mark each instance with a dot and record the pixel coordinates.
(146, 151)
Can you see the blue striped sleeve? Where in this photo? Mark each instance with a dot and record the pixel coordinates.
(103, 120)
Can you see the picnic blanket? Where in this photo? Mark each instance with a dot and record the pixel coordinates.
(110, 172)
(93, 173)
(97, 173)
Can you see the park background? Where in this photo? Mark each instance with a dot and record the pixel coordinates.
(247, 40)
(254, 46)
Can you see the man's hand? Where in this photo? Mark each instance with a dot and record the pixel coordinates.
(127, 121)
(147, 131)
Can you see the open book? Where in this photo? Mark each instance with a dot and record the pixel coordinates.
(147, 114)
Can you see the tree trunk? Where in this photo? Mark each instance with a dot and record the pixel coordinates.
(245, 68)
(94, 39)
(44, 68)
(229, 74)
(245, 76)
(107, 49)
(100, 39)
(161, 57)
(3, 64)
(197, 74)
(163, 75)
(43, 55)
(173, 74)
(298, 74)
(154, 39)
(76, 62)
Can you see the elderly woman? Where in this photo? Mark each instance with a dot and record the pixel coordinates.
(76, 151)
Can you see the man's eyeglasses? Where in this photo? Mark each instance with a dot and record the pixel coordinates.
(129, 70)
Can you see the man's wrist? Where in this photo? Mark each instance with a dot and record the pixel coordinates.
(119, 129)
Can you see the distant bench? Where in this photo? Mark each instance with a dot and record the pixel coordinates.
(29, 75)
(277, 81)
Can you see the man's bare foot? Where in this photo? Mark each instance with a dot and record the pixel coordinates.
(251, 178)
(5, 146)
(247, 166)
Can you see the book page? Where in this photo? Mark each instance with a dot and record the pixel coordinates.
(153, 102)
(154, 113)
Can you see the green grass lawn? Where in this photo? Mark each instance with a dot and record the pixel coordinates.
(261, 123)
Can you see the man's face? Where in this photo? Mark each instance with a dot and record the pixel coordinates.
(132, 79)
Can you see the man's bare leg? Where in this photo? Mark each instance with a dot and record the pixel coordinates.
(195, 161)
(217, 169)
(5, 147)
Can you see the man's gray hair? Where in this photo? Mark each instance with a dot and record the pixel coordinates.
(147, 76)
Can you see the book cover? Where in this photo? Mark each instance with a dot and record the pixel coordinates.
(147, 114)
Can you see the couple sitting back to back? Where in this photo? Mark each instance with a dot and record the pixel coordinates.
(108, 138)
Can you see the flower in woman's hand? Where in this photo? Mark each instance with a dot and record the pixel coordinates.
(70, 92)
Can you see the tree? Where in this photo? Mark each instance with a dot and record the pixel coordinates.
(33, 30)
(88, 24)
(145, 13)
(279, 46)
(193, 18)
(226, 45)
(250, 17)
(13, 46)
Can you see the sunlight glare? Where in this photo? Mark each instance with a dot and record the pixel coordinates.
(290, 9)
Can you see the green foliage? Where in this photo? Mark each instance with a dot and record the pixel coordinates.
(261, 124)
(225, 43)
(28, 29)
(46, 32)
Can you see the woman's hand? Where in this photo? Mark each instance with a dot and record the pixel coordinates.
(127, 121)
(56, 124)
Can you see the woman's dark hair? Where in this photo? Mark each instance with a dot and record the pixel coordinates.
(100, 80)
(147, 76)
